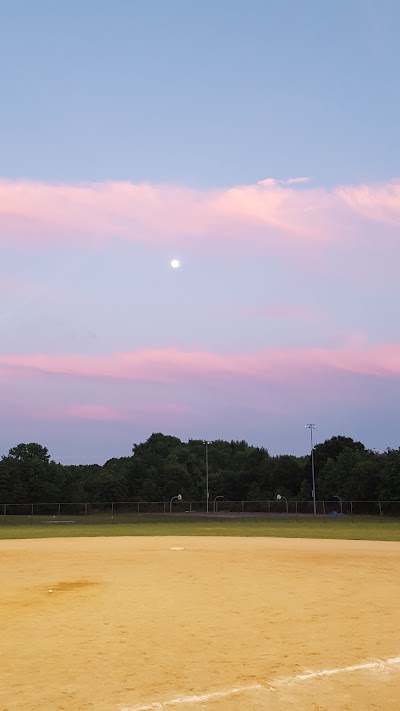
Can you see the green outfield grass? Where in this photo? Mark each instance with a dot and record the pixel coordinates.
(362, 528)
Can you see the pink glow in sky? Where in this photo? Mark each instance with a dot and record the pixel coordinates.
(274, 310)
(256, 146)
(267, 214)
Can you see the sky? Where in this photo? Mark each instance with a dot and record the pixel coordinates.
(254, 140)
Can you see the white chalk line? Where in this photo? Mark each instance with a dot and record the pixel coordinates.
(382, 665)
(378, 664)
(196, 699)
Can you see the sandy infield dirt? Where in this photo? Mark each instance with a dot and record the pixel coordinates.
(131, 624)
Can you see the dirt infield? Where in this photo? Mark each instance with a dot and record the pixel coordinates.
(226, 624)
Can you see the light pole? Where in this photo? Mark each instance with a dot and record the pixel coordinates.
(178, 498)
(311, 427)
(207, 491)
(279, 497)
(215, 504)
(341, 503)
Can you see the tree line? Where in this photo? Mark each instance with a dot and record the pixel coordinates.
(164, 466)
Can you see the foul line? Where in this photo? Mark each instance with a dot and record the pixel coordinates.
(378, 664)
(201, 698)
(196, 699)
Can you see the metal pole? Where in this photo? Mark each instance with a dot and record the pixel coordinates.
(311, 427)
(341, 504)
(207, 492)
(313, 472)
(206, 442)
(179, 498)
(215, 502)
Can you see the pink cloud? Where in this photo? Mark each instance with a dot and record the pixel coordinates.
(379, 203)
(95, 412)
(12, 286)
(282, 312)
(270, 214)
(289, 181)
(138, 412)
(173, 366)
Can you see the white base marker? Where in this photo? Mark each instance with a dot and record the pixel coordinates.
(382, 665)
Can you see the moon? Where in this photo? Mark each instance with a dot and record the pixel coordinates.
(175, 264)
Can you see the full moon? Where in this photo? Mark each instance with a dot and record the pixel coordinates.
(175, 264)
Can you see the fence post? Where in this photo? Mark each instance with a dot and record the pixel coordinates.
(242, 506)
(86, 509)
(138, 507)
(5, 509)
(190, 506)
(32, 509)
(351, 508)
(323, 508)
(59, 509)
(165, 507)
(112, 511)
(380, 508)
(269, 507)
(296, 507)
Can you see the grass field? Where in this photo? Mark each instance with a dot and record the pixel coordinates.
(362, 528)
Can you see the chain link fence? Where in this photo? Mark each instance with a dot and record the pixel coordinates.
(120, 512)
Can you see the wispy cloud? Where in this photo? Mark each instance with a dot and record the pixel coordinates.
(380, 203)
(276, 311)
(173, 365)
(270, 182)
(268, 214)
(132, 413)
(12, 286)
(94, 412)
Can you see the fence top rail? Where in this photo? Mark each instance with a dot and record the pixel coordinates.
(221, 502)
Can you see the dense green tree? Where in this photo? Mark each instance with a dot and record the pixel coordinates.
(34, 477)
(388, 485)
(164, 466)
(332, 448)
(352, 475)
(287, 475)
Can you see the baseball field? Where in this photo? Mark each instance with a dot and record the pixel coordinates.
(201, 615)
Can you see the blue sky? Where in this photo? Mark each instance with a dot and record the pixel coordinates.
(205, 93)
(255, 141)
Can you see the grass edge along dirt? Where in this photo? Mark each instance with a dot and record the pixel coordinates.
(362, 528)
